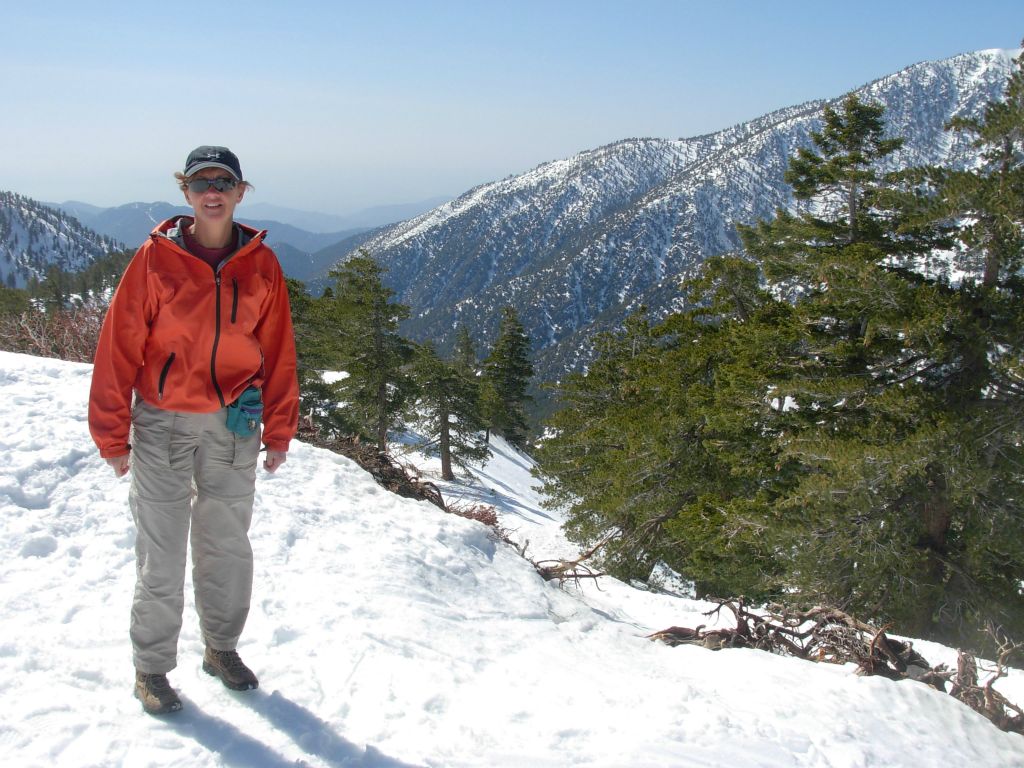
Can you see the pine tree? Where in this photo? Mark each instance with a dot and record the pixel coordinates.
(449, 403)
(980, 375)
(885, 517)
(584, 460)
(363, 323)
(507, 375)
(987, 200)
(55, 288)
(318, 352)
(656, 451)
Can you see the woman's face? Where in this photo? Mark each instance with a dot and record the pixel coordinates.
(211, 206)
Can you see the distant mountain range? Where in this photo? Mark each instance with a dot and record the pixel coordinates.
(298, 237)
(26, 250)
(325, 223)
(131, 224)
(576, 245)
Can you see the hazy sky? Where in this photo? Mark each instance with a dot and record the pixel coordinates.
(339, 106)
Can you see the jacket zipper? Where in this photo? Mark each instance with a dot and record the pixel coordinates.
(234, 299)
(216, 343)
(259, 238)
(163, 377)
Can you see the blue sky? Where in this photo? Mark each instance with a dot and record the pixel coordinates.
(339, 106)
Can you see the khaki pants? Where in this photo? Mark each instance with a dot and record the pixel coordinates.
(170, 451)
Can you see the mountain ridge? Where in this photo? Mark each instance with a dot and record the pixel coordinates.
(578, 243)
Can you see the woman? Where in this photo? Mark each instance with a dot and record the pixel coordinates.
(199, 331)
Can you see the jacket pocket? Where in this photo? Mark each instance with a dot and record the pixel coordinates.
(163, 376)
(248, 295)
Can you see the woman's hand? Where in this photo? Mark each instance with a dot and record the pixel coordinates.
(120, 465)
(274, 460)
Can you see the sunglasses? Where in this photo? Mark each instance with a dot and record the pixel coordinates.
(221, 185)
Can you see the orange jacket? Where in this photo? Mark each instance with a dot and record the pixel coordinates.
(189, 338)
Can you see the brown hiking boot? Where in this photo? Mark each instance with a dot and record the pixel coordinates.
(230, 669)
(156, 694)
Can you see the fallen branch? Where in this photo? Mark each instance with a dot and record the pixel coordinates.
(564, 570)
(485, 514)
(985, 698)
(830, 635)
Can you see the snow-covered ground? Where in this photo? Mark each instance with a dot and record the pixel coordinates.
(387, 633)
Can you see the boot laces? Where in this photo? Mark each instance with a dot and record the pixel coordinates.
(158, 684)
(230, 659)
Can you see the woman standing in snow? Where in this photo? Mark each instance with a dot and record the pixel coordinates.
(200, 331)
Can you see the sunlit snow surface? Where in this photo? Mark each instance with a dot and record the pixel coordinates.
(387, 633)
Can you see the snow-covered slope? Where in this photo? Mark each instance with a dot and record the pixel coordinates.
(576, 244)
(34, 236)
(387, 633)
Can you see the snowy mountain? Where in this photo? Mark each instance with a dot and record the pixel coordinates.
(34, 237)
(387, 633)
(577, 244)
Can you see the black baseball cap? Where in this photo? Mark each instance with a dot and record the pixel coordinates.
(213, 157)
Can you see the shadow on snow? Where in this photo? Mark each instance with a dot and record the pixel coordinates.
(315, 737)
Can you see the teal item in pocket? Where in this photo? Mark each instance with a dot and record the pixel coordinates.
(245, 414)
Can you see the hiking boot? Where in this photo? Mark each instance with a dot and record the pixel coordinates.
(156, 694)
(230, 669)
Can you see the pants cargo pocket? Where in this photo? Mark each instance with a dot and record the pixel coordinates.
(161, 459)
(152, 430)
(247, 451)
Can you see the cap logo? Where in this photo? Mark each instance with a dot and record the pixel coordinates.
(213, 157)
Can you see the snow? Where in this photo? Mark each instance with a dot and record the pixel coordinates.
(387, 633)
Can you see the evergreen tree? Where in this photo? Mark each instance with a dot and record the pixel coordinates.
(95, 283)
(987, 200)
(318, 353)
(979, 378)
(662, 450)
(600, 460)
(699, 463)
(885, 517)
(841, 173)
(449, 402)
(507, 374)
(363, 322)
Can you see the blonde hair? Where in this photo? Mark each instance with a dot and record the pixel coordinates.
(183, 181)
